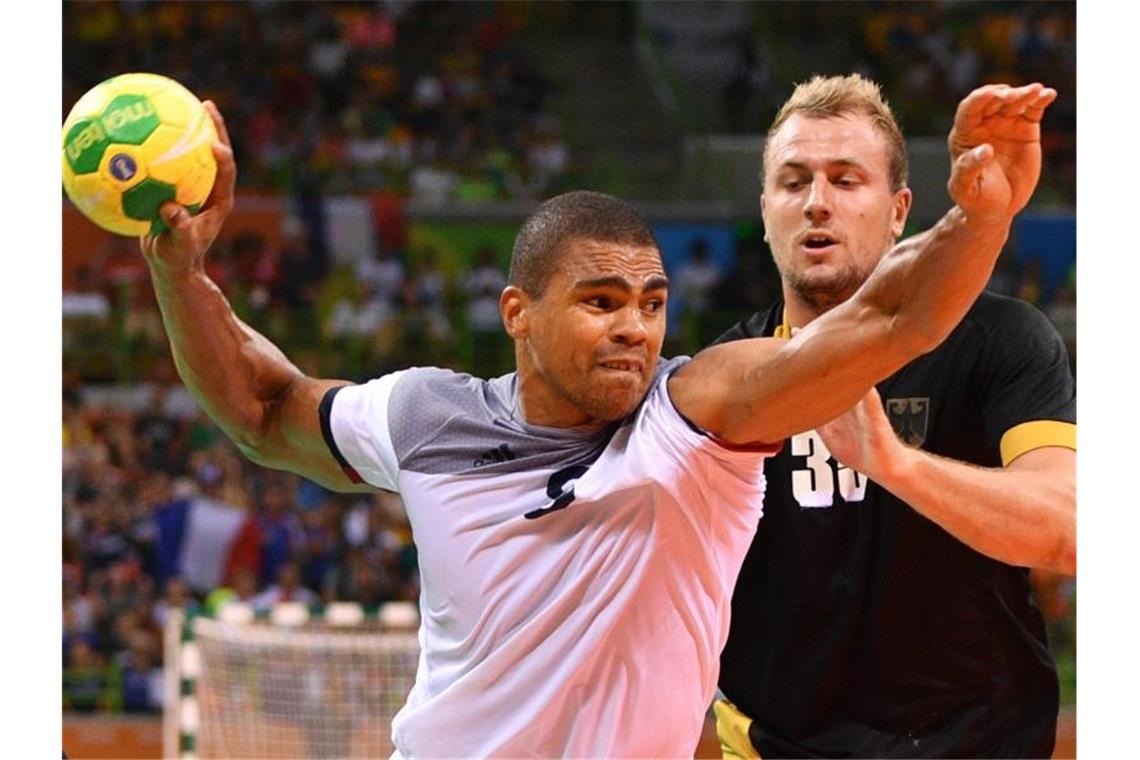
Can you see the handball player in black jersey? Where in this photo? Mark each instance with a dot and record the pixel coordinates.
(884, 608)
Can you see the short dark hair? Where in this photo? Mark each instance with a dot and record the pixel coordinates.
(580, 215)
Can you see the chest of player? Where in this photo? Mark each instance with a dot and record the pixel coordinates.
(932, 404)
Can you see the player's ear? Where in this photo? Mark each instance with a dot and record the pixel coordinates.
(901, 210)
(514, 308)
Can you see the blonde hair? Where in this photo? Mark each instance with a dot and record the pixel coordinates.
(825, 97)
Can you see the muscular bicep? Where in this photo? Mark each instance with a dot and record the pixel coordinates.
(765, 389)
(294, 439)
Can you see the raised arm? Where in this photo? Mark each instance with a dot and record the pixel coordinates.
(764, 390)
(245, 383)
(1024, 513)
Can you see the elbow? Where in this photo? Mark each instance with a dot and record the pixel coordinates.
(895, 333)
(253, 447)
(253, 450)
(251, 435)
(912, 335)
(1057, 549)
(1063, 557)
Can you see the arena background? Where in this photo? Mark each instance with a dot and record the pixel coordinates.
(387, 152)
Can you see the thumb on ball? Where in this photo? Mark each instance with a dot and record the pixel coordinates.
(174, 215)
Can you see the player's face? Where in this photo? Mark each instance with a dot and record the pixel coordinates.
(593, 339)
(828, 208)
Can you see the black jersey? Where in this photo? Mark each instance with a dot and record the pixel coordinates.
(861, 628)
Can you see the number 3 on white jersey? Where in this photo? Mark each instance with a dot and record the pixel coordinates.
(814, 485)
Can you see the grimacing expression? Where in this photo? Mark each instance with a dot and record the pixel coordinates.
(828, 207)
(595, 335)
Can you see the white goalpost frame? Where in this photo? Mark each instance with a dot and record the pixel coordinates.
(387, 634)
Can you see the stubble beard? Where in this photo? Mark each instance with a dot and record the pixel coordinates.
(598, 403)
(609, 405)
(825, 293)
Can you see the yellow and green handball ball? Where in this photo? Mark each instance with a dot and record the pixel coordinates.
(132, 143)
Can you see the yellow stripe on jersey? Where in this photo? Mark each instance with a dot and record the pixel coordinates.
(783, 330)
(732, 730)
(1035, 435)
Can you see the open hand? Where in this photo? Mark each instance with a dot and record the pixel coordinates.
(862, 437)
(183, 247)
(995, 147)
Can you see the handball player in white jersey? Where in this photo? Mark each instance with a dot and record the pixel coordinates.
(581, 521)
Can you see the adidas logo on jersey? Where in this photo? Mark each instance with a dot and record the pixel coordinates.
(501, 453)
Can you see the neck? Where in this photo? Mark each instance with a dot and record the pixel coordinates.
(539, 403)
(797, 311)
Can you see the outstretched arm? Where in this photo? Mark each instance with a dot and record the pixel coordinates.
(247, 386)
(763, 390)
(1023, 514)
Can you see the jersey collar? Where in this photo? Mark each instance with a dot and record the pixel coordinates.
(783, 330)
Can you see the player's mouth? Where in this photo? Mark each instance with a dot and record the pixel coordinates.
(633, 366)
(817, 242)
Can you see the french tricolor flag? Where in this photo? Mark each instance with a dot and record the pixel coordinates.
(205, 542)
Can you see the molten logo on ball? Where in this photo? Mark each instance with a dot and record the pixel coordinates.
(123, 167)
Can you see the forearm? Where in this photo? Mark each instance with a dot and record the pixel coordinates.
(926, 283)
(1025, 518)
(914, 298)
(233, 372)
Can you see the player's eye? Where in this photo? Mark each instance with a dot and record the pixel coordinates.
(605, 303)
(655, 305)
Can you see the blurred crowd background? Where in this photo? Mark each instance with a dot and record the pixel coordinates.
(442, 122)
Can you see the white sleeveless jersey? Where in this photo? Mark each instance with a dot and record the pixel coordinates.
(575, 587)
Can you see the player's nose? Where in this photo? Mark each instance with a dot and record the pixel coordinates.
(817, 205)
(629, 327)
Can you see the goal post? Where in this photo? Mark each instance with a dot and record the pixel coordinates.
(292, 682)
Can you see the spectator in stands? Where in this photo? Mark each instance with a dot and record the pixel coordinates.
(481, 286)
(299, 268)
(176, 595)
(85, 300)
(384, 274)
(162, 440)
(321, 548)
(697, 277)
(282, 536)
(125, 592)
(78, 626)
(288, 588)
(88, 685)
(104, 544)
(243, 590)
(422, 332)
(432, 287)
(432, 180)
(748, 89)
(139, 675)
(547, 158)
